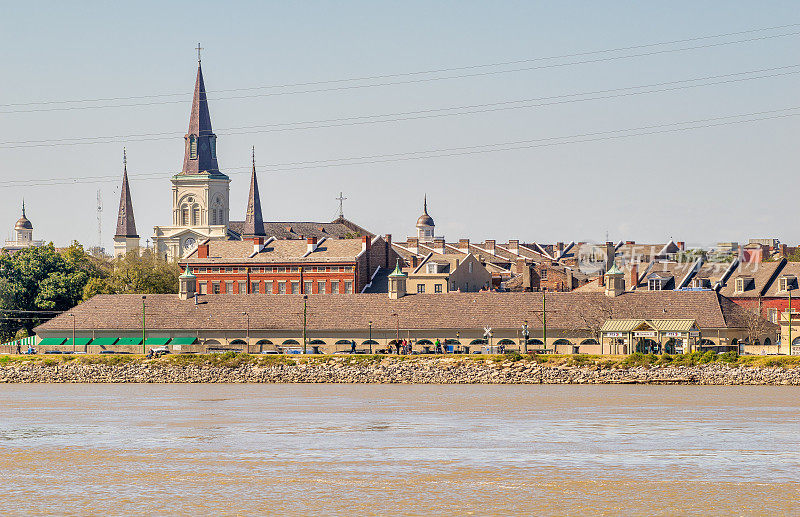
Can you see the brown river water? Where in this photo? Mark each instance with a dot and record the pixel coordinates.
(398, 450)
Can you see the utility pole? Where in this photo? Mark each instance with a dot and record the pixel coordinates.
(144, 332)
(525, 335)
(370, 337)
(305, 313)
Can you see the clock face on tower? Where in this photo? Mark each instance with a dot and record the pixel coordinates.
(188, 243)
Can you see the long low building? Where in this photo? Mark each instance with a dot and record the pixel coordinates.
(660, 321)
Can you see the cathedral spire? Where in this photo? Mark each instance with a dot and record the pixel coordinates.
(200, 154)
(126, 225)
(253, 221)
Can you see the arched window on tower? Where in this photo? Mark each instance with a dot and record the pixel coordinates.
(195, 215)
(184, 215)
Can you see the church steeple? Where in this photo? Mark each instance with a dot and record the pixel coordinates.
(200, 155)
(253, 221)
(125, 239)
(126, 224)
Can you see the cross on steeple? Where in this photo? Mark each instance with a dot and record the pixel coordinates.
(341, 200)
(199, 48)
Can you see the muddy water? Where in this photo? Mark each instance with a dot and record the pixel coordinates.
(398, 450)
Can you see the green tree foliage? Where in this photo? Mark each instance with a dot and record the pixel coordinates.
(47, 279)
(137, 274)
(42, 279)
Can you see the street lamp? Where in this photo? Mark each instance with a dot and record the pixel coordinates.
(305, 306)
(144, 327)
(248, 331)
(370, 337)
(73, 332)
(397, 338)
(525, 334)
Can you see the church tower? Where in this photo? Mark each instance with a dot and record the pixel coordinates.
(253, 221)
(200, 192)
(125, 239)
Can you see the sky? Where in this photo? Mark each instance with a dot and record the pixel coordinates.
(622, 164)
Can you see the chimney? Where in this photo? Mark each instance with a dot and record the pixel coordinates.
(413, 244)
(388, 241)
(311, 244)
(438, 245)
(570, 283)
(414, 261)
(365, 243)
(489, 246)
(519, 266)
(681, 245)
(463, 244)
(513, 245)
(611, 253)
(258, 243)
(202, 251)
(782, 250)
(634, 280)
(630, 243)
(560, 246)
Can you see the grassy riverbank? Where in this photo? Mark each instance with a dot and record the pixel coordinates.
(234, 360)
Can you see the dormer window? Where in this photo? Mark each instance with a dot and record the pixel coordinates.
(743, 284)
(788, 283)
(192, 147)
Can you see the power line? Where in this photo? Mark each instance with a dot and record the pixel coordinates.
(420, 114)
(459, 151)
(392, 83)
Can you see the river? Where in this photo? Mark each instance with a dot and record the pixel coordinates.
(351, 450)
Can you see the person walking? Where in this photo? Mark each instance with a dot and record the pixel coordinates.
(438, 346)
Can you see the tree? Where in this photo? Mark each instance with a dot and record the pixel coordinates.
(755, 324)
(41, 279)
(136, 273)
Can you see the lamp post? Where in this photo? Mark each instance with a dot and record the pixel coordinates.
(305, 307)
(370, 337)
(544, 318)
(397, 338)
(458, 336)
(144, 327)
(789, 344)
(73, 332)
(248, 331)
(525, 334)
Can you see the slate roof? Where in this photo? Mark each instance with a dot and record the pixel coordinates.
(569, 311)
(338, 229)
(278, 251)
(126, 224)
(762, 273)
(200, 128)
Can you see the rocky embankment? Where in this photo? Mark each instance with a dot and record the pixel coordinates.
(397, 370)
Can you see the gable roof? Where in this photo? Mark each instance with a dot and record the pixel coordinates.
(570, 311)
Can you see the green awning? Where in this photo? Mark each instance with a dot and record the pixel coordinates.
(183, 340)
(105, 341)
(156, 341)
(51, 341)
(129, 341)
(81, 341)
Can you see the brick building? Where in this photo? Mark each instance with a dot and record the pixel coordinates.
(288, 266)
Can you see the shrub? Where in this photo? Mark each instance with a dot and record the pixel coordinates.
(708, 357)
(729, 357)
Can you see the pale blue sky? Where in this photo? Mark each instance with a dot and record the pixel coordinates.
(715, 184)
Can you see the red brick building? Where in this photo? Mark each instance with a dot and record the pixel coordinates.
(288, 266)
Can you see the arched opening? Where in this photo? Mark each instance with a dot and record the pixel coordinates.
(426, 345)
(671, 346)
(590, 341)
(265, 345)
(477, 342)
(452, 346)
(796, 341)
(211, 342)
(648, 346)
(705, 343)
(184, 215)
(537, 342)
(369, 342)
(238, 342)
(316, 342)
(290, 342)
(767, 342)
